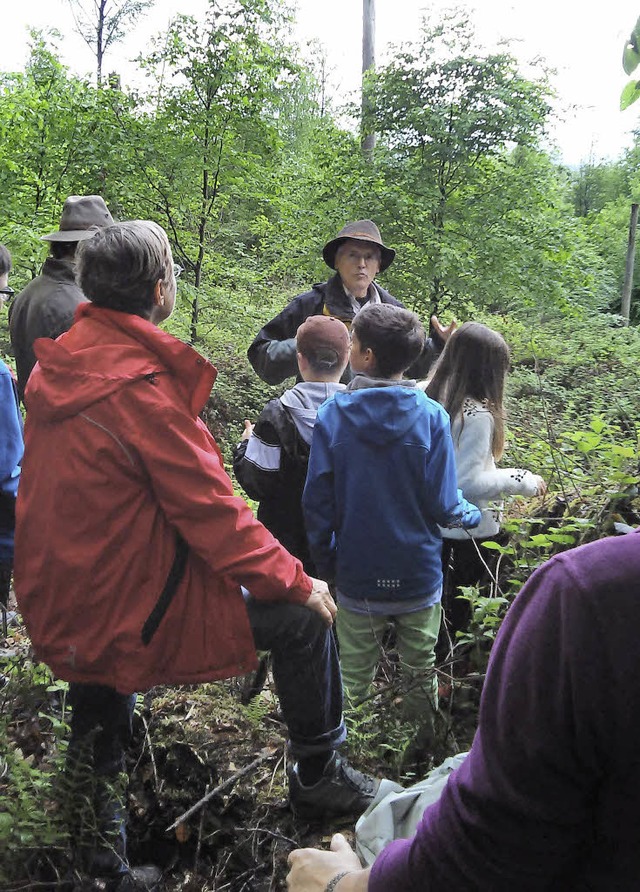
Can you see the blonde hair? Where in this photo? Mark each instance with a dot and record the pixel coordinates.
(474, 364)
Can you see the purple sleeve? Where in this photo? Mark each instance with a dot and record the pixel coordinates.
(519, 812)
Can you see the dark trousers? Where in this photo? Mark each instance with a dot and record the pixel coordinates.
(306, 671)
(100, 732)
(5, 582)
(307, 676)
(464, 563)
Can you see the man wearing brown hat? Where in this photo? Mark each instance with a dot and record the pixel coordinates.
(357, 254)
(46, 307)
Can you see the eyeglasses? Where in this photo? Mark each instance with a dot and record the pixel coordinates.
(177, 270)
(8, 292)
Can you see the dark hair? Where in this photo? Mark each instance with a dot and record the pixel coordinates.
(63, 250)
(5, 260)
(119, 267)
(324, 360)
(394, 335)
(474, 363)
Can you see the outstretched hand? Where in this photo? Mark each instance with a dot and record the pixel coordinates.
(321, 601)
(248, 429)
(541, 485)
(311, 870)
(443, 332)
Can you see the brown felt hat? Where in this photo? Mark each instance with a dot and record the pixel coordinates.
(361, 231)
(82, 216)
(324, 339)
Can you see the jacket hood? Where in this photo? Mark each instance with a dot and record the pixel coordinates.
(103, 352)
(382, 415)
(303, 402)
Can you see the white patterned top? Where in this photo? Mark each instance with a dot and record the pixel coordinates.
(481, 482)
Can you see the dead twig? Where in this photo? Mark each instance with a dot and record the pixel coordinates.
(200, 828)
(274, 834)
(266, 754)
(147, 742)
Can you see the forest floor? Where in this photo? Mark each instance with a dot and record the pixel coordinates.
(195, 742)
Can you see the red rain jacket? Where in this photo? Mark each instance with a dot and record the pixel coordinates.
(116, 465)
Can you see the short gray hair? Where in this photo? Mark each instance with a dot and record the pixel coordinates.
(119, 267)
(5, 260)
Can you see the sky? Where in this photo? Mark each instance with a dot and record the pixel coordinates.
(582, 41)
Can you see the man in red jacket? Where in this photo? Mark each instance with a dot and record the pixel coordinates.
(135, 560)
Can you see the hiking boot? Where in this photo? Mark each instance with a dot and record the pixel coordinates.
(342, 790)
(146, 878)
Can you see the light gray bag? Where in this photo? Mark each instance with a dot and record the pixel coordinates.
(396, 812)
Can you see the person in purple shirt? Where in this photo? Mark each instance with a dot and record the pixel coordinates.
(548, 798)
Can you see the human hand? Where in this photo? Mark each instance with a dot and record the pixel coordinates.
(444, 332)
(541, 486)
(321, 601)
(248, 429)
(311, 870)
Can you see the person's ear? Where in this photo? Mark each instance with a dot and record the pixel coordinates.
(158, 293)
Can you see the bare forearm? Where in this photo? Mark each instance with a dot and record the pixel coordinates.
(314, 870)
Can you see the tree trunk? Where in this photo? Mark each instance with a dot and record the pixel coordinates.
(628, 271)
(368, 139)
(100, 40)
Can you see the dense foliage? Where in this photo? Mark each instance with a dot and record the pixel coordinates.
(232, 149)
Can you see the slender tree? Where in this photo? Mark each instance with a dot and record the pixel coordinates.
(101, 23)
(368, 66)
(212, 133)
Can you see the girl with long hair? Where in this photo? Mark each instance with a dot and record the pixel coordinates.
(469, 381)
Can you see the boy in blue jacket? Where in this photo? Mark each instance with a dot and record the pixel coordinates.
(381, 480)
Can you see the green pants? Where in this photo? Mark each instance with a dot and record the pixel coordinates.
(360, 637)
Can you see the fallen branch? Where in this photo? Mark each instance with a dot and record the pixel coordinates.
(266, 754)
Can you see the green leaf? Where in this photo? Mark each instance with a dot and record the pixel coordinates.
(629, 95)
(540, 540)
(495, 546)
(630, 54)
(630, 59)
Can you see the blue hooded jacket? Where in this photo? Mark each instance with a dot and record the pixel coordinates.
(11, 449)
(381, 479)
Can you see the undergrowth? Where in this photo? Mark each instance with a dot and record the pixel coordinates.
(573, 417)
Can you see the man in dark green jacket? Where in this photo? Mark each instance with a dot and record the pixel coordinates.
(46, 307)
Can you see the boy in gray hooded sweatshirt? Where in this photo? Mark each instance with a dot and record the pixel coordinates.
(270, 462)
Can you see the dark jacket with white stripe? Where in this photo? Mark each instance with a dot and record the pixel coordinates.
(271, 466)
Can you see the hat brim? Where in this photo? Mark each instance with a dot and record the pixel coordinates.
(387, 255)
(69, 235)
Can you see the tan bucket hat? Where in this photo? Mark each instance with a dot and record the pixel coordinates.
(82, 216)
(361, 231)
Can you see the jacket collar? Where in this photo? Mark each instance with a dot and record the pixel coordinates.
(337, 300)
(195, 374)
(60, 270)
